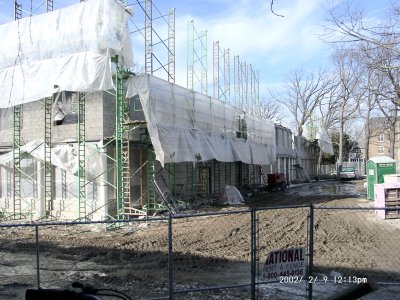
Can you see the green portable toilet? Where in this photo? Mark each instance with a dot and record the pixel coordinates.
(377, 167)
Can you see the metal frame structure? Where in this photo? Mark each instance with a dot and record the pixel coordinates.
(48, 169)
(221, 92)
(227, 75)
(48, 190)
(196, 58)
(17, 143)
(154, 42)
(120, 156)
(81, 157)
(216, 69)
(17, 111)
(171, 45)
(246, 86)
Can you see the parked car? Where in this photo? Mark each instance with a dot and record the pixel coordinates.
(348, 173)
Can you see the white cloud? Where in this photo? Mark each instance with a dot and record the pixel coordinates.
(257, 36)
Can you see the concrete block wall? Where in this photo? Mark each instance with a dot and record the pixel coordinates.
(108, 115)
(33, 116)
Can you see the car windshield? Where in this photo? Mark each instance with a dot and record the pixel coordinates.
(348, 170)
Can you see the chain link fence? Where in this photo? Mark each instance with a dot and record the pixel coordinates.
(216, 255)
(354, 242)
(281, 228)
(18, 266)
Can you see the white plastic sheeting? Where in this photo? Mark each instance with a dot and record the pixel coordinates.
(67, 49)
(324, 141)
(62, 156)
(318, 132)
(188, 126)
(231, 196)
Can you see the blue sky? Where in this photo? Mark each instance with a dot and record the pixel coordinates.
(273, 45)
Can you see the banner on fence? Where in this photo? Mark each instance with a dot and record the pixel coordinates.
(283, 263)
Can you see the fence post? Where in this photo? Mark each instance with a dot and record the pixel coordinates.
(253, 251)
(170, 258)
(37, 256)
(311, 252)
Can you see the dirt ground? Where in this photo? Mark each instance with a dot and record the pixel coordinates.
(213, 250)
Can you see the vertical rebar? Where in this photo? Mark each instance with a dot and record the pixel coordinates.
(170, 258)
(311, 251)
(37, 257)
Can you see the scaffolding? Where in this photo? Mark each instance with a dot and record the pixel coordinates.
(48, 189)
(246, 93)
(196, 59)
(43, 176)
(17, 141)
(246, 86)
(221, 70)
(49, 5)
(81, 157)
(159, 46)
(171, 45)
(216, 70)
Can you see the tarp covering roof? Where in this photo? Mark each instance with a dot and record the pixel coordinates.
(188, 126)
(66, 49)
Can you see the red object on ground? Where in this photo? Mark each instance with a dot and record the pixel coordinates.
(276, 180)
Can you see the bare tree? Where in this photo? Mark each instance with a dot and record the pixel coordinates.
(378, 44)
(367, 106)
(329, 117)
(328, 108)
(270, 110)
(385, 87)
(302, 95)
(348, 103)
(348, 25)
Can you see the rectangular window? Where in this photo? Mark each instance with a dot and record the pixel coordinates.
(242, 128)
(380, 137)
(381, 150)
(137, 105)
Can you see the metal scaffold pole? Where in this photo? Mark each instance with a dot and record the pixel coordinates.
(17, 110)
(236, 81)
(122, 147)
(48, 104)
(227, 76)
(119, 132)
(151, 192)
(196, 58)
(125, 155)
(49, 5)
(190, 54)
(17, 162)
(216, 69)
(203, 61)
(48, 192)
(81, 157)
(148, 34)
(171, 45)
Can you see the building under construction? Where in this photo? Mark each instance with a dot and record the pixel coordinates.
(83, 137)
